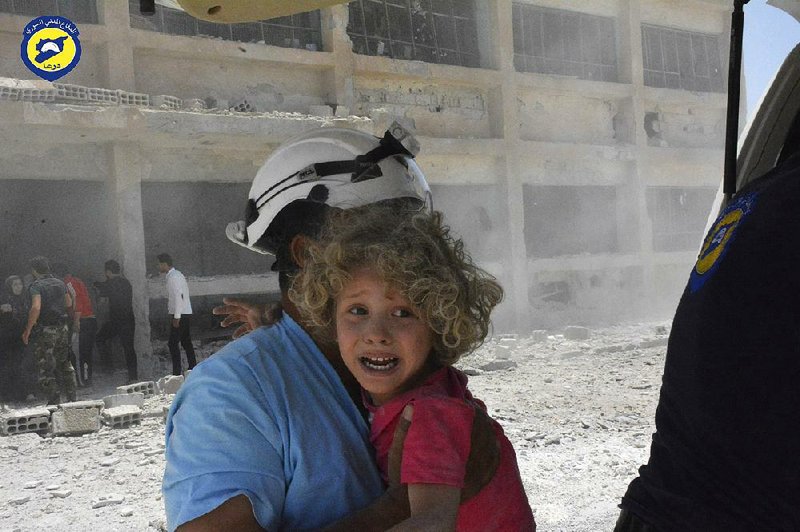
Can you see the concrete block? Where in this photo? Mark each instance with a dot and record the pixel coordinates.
(122, 417)
(320, 110)
(165, 101)
(9, 93)
(124, 399)
(25, 420)
(576, 333)
(71, 93)
(148, 388)
(133, 98)
(497, 365)
(98, 95)
(654, 342)
(502, 352)
(172, 384)
(342, 111)
(37, 95)
(75, 421)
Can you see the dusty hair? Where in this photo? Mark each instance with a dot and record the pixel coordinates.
(413, 252)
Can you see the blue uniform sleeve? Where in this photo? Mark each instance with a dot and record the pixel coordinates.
(221, 441)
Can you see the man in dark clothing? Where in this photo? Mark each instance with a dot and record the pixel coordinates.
(47, 328)
(726, 452)
(120, 309)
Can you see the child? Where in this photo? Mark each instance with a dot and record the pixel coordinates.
(405, 302)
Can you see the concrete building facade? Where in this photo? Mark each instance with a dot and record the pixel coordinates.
(576, 146)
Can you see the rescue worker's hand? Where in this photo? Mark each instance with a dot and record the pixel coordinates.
(250, 316)
(176, 322)
(26, 336)
(484, 453)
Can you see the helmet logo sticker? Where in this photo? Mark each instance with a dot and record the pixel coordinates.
(718, 240)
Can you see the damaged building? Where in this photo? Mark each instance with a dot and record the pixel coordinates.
(575, 146)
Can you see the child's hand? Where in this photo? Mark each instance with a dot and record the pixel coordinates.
(396, 450)
(251, 316)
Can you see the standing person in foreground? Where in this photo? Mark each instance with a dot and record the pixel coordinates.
(726, 452)
(243, 433)
(14, 383)
(120, 320)
(405, 302)
(179, 308)
(50, 305)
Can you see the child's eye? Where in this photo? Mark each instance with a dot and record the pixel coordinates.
(403, 313)
(357, 311)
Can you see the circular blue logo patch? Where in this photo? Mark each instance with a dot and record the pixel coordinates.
(719, 239)
(50, 47)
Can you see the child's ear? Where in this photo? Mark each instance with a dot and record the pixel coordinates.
(297, 249)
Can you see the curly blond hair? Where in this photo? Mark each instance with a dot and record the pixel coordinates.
(410, 250)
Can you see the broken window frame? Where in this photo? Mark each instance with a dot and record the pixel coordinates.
(302, 30)
(683, 60)
(374, 32)
(575, 54)
(677, 228)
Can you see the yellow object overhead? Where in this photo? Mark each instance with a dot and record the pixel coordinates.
(250, 10)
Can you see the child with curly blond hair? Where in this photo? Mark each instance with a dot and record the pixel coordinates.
(404, 302)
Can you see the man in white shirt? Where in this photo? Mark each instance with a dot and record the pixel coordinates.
(179, 308)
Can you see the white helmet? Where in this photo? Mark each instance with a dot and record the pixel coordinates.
(337, 167)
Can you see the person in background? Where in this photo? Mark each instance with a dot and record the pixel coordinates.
(14, 383)
(84, 323)
(120, 322)
(47, 329)
(179, 308)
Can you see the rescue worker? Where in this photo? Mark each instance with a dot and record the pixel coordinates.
(48, 330)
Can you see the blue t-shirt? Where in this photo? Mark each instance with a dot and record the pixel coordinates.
(267, 416)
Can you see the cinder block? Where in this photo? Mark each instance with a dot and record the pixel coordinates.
(576, 333)
(122, 417)
(76, 418)
(9, 93)
(37, 95)
(133, 98)
(71, 93)
(342, 111)
(172, 384)
(124, 399)
(25, 420)
(98, 95)
(165, 101)
(148, 388)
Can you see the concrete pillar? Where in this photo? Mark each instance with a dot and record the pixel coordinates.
(116, 51)
(341, 89)
(503, 104)
(128, 166)
(635, 193)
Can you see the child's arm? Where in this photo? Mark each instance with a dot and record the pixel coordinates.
(434, 508)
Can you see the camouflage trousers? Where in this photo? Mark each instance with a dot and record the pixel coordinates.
(55, 373)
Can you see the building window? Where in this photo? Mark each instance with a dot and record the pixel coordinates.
(84, 11)
(570, 220)
(678, 216)
(434, 31)
(303, 30)
(552, 41)
(678, 59)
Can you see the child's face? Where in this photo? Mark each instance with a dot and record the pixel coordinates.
(382, 341)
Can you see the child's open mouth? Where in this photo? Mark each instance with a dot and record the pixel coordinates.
(380, 363)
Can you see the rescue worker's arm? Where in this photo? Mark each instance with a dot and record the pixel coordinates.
(233, 514)
(68, 302)
(33, 316)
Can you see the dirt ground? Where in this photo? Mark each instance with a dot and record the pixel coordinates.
(579, 413)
